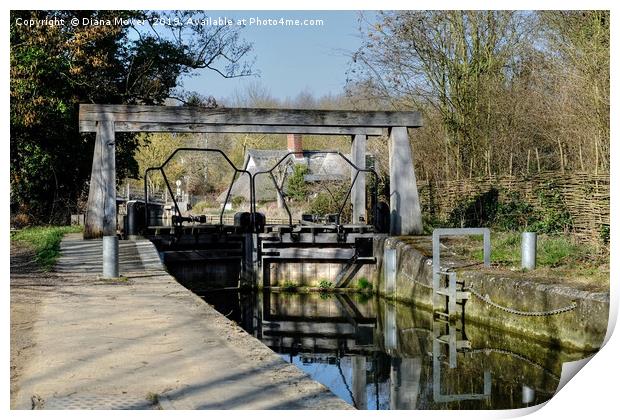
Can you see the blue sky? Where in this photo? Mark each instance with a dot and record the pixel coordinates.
(290, 59)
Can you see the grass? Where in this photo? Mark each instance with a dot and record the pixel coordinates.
(557, 256)
(45, 241)
(552, 251)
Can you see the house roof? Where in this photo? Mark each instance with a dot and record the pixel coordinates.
(321, 167)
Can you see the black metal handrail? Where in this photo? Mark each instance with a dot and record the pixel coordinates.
(176, 205)
(317, 152)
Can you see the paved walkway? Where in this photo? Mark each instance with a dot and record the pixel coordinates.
(147, 342)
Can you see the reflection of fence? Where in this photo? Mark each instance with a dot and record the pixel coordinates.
(585, 196)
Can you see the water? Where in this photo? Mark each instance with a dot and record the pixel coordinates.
(376, 354)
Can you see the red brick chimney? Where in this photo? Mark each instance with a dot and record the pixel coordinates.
(295, 144)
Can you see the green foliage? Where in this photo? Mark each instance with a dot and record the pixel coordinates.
(605, 234)
(325, 284)
(552, 251)
(325, 295)
(512, 213)
(289, 285)
(55, 68)
(45, 240)
(322, 204)
(364, 285)
(363, 297)
(329, 200)
(553, 216)
(430, 222)
(475, 211)
(297, 188)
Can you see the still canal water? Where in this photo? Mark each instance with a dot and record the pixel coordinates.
(377, 354)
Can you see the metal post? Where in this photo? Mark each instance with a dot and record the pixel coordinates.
(110, 257)
(528, 250)
(436, 267)
(486, 238)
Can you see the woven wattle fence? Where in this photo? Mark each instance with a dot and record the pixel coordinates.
(585, 196)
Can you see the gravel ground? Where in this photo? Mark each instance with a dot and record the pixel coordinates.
(28, 284)
(80, 341)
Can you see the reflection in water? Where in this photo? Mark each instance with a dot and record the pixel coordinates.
(376, 354)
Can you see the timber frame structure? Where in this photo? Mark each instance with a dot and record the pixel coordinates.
(106, 120)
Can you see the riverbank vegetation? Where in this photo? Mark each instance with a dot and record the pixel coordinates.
(557, 256)
(44, 241)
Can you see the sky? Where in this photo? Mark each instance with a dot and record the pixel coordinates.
(290, 60)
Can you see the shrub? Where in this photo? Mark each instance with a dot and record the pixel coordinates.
(364, 285)
(477, 211)
(325, 284)
(296, 187)
(512, 212)
(289, 285)
(553, 215)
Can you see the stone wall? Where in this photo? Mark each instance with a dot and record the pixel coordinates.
(583, 328)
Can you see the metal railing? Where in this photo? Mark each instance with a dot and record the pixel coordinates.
(287, 157)
(252, 184)
(161, 168)
(450, 292)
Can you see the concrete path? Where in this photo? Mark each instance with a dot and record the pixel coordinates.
(147, 342)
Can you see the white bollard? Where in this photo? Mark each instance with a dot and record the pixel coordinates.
(528, 250)
(110, 257)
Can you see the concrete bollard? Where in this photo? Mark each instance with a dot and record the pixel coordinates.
(110, 257)
(528, 250)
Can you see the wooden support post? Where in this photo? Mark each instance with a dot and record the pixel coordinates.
(358, 382)
(358, 193)
(93, 220)
(405, 213)
(105, 131)
(106, 138)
